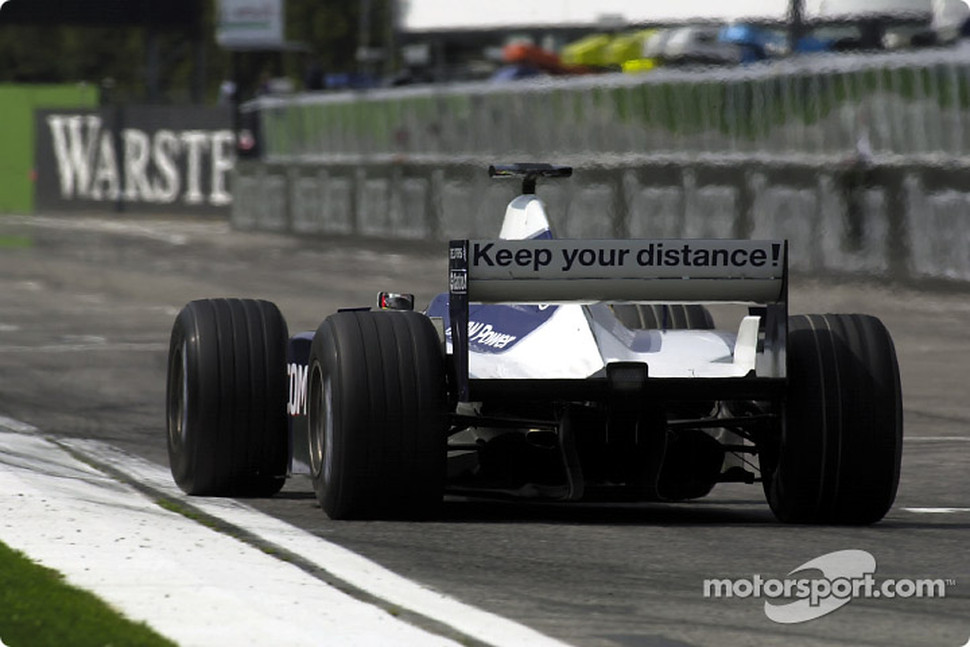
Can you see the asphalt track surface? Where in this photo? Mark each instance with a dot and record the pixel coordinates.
(86, 307)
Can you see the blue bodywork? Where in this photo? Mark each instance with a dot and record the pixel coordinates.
(494, 328)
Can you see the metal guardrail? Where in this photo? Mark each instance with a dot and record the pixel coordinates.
(887, 105)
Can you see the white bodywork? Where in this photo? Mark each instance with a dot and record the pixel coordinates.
(525, 218)
(579, 341)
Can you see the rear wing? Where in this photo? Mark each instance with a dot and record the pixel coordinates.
(557, 271)
(549, 271)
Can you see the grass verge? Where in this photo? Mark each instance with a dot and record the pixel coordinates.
(16, 242)
(39, 609)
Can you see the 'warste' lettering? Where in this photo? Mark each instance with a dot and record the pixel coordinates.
(160, 168)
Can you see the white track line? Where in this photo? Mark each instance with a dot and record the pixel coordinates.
(340, 562)
(161, 568)
(936, 510)
(102, 224)
(9, 424)
(188, 582)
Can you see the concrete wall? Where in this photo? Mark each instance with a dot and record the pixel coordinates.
(905, 223)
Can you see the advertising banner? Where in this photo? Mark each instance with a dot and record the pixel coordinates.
(142, 158)
(256, 24)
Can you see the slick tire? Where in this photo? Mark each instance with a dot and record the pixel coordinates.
(656, 316)
(376, 416)
(226, 398)
(839, 453)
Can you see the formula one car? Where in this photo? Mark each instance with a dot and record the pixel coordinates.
(552, 369)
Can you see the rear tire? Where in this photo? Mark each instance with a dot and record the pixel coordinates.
(839, 454)
(659, 316)
(226, 398)
(376, 415)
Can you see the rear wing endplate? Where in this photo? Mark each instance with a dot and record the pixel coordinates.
(558, 271)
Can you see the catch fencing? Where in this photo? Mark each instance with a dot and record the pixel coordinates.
(888, 105)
